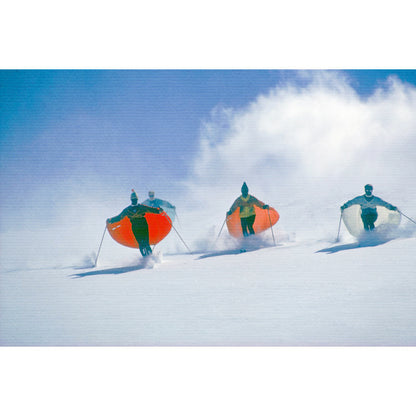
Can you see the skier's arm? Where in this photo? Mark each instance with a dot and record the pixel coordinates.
(257, 202)
(153, 210)
(166, 204)
(234, 206)
(385, 204)
(351, 202)
(117, 218)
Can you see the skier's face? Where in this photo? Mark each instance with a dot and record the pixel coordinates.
(368, 191)
(134, 201)
(151, 196)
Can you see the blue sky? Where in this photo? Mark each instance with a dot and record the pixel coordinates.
(123, 128)
(93, 113)
(110, 122)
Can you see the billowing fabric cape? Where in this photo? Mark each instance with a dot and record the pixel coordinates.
(159, 227)
(261, 223)
(386, 220)
(160, 203)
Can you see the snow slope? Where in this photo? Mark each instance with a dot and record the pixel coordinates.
(305, 293)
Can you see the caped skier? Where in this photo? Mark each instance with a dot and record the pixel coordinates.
(136, 214)
(246, 204)
(159, 203)
(368, 203)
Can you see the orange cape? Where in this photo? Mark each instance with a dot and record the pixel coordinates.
(159, 227)
(262, 222)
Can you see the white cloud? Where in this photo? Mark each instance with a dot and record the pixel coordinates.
(306, 150)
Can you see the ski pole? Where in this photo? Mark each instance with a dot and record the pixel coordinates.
(404, 215)
(167, 216)
(218, 236)
(339, 227)
(181, 239)
(99, 248)
(271, 226)
(177, 217)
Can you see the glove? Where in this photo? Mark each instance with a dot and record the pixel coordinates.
(343, 207)
(228, 213)
(265, 206)
(160, 209)
(393, 208)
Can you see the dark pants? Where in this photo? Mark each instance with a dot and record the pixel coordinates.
(369, 217)
(141, 233)
(247, 225)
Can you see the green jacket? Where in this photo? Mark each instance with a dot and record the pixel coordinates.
(368, 202)
(246, 205)
(134, 212)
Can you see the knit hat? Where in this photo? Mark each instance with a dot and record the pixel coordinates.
(133, 195)
(368, 186)
(244, 189)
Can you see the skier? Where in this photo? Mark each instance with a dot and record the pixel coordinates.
(160, 203)
(156, 202)
(368, 203)
(246, 204)
(135, 212)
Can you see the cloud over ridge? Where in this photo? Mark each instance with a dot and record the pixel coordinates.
(310, 144)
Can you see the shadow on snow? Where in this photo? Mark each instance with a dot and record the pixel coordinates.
(114, 270)
(234, 251)
(223, 253)
(368, 242)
